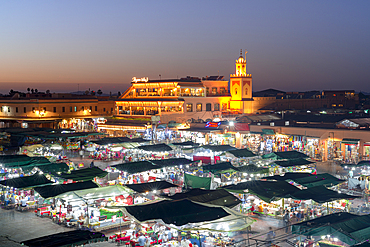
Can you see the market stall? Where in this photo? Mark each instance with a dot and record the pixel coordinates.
(70, 238)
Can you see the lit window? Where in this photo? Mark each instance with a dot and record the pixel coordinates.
(217, 107)
(189, 107)
(199, 107)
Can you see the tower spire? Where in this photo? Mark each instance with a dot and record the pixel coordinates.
(241, 52)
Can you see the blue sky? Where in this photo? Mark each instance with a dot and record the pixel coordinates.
(292, 45)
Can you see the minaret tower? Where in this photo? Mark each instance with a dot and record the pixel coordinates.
(241, 86)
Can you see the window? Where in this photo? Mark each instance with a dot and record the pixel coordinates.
(199, 107)
(44, 108)
(75, 108)
(90, 108)
(104, 109)
(217, 107)
(24, 109)
(208, 107)
(214, 90)
(70, 109)
(246, 91)
(16, 109)
(222, 90)
(189, 107)
(96, 108)
(63, 109)
(207, 90)
(8, 109)
(82, 108)
(236, 91)
(1, 109)
(54, 109)
(224, 106)
(111, 109)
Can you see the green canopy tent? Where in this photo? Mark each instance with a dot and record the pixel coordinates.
(27, 181)
(95, 193)
(348, 228)
(252, 169)
(18, 161)
(69, 238)
(155, 148)
(53, 167)
(293, 162)
(57, 189)
(319, 179)
(83, 174)
(218, 148)
(195, 182)
(214, 197)
(171, 162)
(285, 155)
(266, 190)
(136, 167)
(242, 153)
(308, 179)
(186, 144)
(321, 194)
(219, 168)
(187, 215)
(151, 186)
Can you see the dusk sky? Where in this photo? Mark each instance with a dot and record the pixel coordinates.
(292, 45)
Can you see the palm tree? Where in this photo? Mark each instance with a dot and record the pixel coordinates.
(99, 92)
(28, 90)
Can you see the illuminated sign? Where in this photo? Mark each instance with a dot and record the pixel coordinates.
(212, 124)
(142, 79)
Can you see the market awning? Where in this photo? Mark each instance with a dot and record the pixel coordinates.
(18, 161)
(214, 197)
(84, 174)
(285, 155)
(219, 168)
(266, 190)
(95, 193)
(136, 167)
(179, 212)
(186, 144)
(151, 186)
(27, 181)
(319, 179)
(187, 215)
(53, 167)
(242, 153)
(364, 163)
(321, 194)
(156, 148)
(219, 148)
(57, 189)
(117, 140)
(293, 162)
(69, 238)
(252, 169)
(171, 162)
(308, 179)
(268, 131)
(350, 141)
(348, 228)
(195, 182)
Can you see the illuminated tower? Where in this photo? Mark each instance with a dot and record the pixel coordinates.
(241, 86)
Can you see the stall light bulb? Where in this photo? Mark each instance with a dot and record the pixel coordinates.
(328, 236)
(322, 237)
(154, 191)
(335, 240)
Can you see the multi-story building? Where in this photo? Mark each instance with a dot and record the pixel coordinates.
(180, 100)
(53, 110)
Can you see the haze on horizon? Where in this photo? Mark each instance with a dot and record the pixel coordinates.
(292, 45)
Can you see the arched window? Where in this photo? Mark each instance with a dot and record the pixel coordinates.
(246, 91)
(199, 107)
(236, 90)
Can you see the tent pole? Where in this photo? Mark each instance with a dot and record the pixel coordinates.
(119, 223)
(327, 207)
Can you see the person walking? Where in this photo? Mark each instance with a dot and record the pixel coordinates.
(286, 220)
(270, 237)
